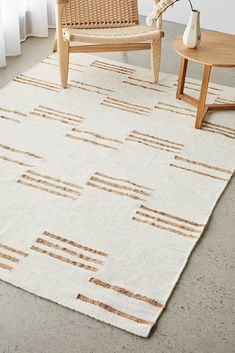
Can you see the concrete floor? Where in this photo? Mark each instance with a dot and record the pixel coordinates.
(200, 313)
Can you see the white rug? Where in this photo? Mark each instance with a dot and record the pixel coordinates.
(106, 187)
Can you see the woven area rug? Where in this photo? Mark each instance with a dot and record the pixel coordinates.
(106, 187)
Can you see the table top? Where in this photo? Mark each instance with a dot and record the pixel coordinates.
(216, 49)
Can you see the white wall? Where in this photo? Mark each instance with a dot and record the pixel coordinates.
(217, 15)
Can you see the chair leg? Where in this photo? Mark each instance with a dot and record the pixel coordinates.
(55, 44)
(155, 58)
(63, 51)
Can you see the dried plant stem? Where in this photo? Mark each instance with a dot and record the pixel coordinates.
(167, 6)
(191, 5)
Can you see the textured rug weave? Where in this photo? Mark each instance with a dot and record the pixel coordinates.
(106, 187)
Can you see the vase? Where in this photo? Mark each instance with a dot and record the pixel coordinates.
(192, 33)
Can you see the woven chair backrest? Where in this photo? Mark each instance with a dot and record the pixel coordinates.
(100, 13)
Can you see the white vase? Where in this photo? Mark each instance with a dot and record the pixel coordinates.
(192, 33)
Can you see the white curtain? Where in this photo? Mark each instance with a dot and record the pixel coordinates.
(20, 19)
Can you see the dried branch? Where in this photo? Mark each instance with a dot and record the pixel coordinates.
(160, 7)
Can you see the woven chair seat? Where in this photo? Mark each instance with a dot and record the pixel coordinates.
(131, 34)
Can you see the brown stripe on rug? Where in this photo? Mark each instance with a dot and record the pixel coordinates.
(149, 85)
(6, 267)
(9, 255)
(168, 222)
(72, 67)
(3, 117)
(218, 129)
(224, 101)
(192, 86)
(201, 168)
(13, 250)
(53, 245)
(75, 244)
(10, 160)
(107, 184)
(154, 142)
(175, 109)
(16, 112)
(113, 310)
(126, 292)
(64, 259)
(57, 115)
(15, 150)
(9, 114)
(37, 83)
(126, 106)
(144, 84)
(50, 184)
(111, 67)
(94, 138)
(216, 89)
(90, 88)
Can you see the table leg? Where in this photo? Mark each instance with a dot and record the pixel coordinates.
(182, 76)
(202, 108)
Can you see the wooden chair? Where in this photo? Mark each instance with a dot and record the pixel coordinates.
(106, 25)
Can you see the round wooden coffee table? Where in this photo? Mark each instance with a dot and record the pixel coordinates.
(216, 50)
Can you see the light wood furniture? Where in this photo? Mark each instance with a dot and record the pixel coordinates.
(107, 25)
(216, 50)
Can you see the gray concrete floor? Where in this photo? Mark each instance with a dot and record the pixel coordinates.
(200, 314)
